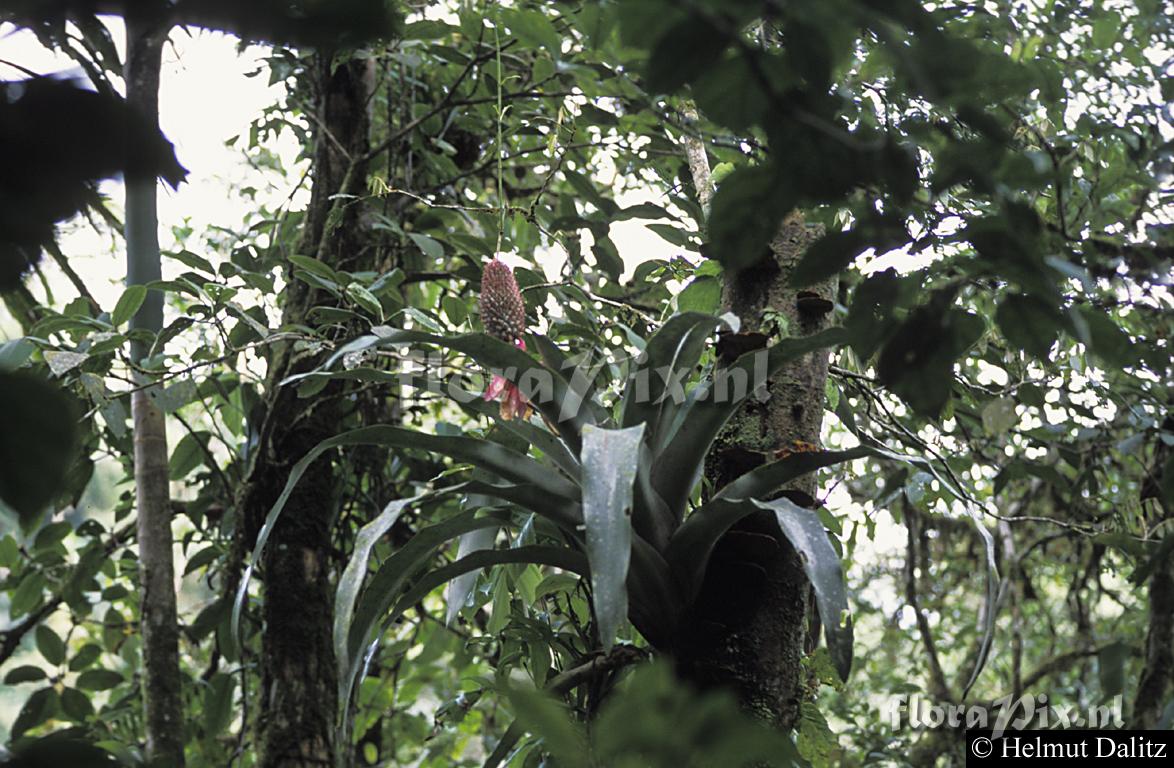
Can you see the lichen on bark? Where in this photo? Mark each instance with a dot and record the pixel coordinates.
(748, 627)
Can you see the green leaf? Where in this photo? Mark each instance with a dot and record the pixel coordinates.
(829, 256)
(534, 29)
(515, 732)
(88, 654)
(13, 354)
(747, 210)
(1109, 342)
(729, 94)
(456, 309)
(683, 53)
(50, 644)
(387, 584)
(186, 456)
(703, 294)
(917, 363)
(429, 247)
(1104, 31)
(690, 549)
(128, 304)
(62, 362)
(41, 705)
(218, 710)
(499, 612)
(24, 674)
(655, 382)
(610, 458)
(352, 576)
(76, 705)
(191, 260)
(678, 467)
(36, 442)
(548, 719)
(28, 594)
(1029, 323)
(359, 294)
(459, 589)
(554, 396)
(998, 416)
(99, 679)
(763, 481)
(1111, 668)
(510, 465)
(806, 533)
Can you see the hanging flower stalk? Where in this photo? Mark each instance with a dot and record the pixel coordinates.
(503, 314)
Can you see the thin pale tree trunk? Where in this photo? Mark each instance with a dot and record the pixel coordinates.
(162, 684)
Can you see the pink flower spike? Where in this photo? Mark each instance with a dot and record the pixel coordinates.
(496, 386)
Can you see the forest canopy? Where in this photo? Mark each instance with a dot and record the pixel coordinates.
(422, 455)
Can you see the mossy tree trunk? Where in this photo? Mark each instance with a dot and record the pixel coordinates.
(299, 699)
(749, 626)
(1156, 686)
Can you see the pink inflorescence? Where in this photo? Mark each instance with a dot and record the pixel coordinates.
(503, 313)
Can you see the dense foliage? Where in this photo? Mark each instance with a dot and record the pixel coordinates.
(994, 184)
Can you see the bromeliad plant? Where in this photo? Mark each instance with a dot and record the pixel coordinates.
(615, 484)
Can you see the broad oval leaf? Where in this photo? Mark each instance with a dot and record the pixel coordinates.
(130, 301)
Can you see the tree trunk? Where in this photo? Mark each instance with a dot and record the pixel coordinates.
(162, 684)
(1155, 690)
(747, 628)
(299, 700)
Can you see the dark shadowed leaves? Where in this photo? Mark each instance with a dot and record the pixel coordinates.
(918, 362)
(747, 210)
(36, 443)
(334, 23)
(683, 53)
(56, 139)
(1029, 323)
(872, 317)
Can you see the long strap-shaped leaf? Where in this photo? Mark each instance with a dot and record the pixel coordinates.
(610, 460)
(581, 380)
(762, 481)
(456, 594)
(568, 514)
(513, 364)
(388, 583)
(679, 466)
(549, 444)
(692, 545)
(392, 594)
(509, 464)
(668, 358)
(356, 569)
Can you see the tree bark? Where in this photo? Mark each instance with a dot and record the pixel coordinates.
(1155, 690)
(299, 678)
(162, 683)
(747, 629)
